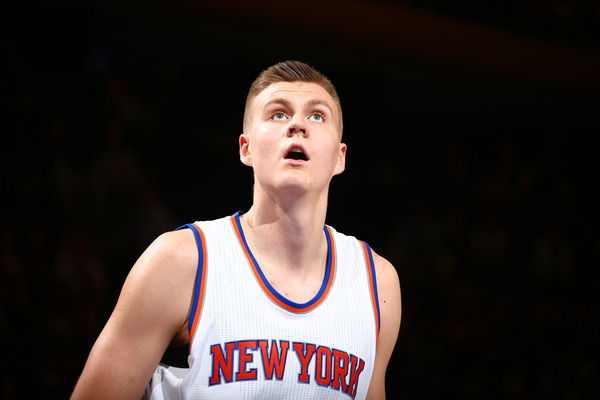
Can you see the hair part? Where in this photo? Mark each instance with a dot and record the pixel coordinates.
(290, 71)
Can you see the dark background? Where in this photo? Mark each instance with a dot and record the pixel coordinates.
(471, 166)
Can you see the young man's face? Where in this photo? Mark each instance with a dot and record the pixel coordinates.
(293, 142)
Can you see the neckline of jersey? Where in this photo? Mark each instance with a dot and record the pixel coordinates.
(270, 291)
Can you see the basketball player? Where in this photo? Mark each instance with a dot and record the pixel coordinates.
(273, 303)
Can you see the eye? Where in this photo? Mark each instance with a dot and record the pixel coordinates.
(317, 117)
(279, 116)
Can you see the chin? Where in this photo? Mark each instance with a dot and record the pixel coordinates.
(296, 182)
(294, 187)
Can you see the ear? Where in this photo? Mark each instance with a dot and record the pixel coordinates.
(245, 156)
(341, 161)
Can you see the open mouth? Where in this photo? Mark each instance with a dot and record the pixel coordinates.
(296, 153)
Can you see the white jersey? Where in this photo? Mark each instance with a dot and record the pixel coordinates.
(247, 341)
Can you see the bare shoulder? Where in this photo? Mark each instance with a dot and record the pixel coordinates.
(388, 283)
(168, 265)
(384, 267)
(390, 303)
(151, 312)
(167, 271)
(390, 308)
(174, 253)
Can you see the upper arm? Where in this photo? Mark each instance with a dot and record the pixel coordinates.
(152, 309)
(390, 308)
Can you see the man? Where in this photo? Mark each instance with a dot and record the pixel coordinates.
(273, 303)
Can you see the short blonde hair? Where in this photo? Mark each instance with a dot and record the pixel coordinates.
(290, 71)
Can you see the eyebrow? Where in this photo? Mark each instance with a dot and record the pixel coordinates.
(288, 104)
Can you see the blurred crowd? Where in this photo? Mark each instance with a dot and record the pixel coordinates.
(496, 302)
(78, 207)
(491, 233)
(573, 22)
(499, 271)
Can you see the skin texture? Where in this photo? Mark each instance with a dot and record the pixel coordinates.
(284, 228)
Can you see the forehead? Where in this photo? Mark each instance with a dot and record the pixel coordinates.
(300, 92)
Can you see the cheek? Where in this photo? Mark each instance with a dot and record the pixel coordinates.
(331, 150)
(263, 146)
(328, 160)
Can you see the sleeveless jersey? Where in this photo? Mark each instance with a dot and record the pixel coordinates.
(247, 341)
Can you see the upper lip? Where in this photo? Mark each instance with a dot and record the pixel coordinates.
(295, 147)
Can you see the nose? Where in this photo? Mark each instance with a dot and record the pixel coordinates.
(297, 125)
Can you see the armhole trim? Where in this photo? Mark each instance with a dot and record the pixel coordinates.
(372, 284)
(200, 284)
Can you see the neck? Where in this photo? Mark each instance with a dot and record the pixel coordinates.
(287, 231)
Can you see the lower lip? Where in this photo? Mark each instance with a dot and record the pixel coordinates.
(294, 162)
